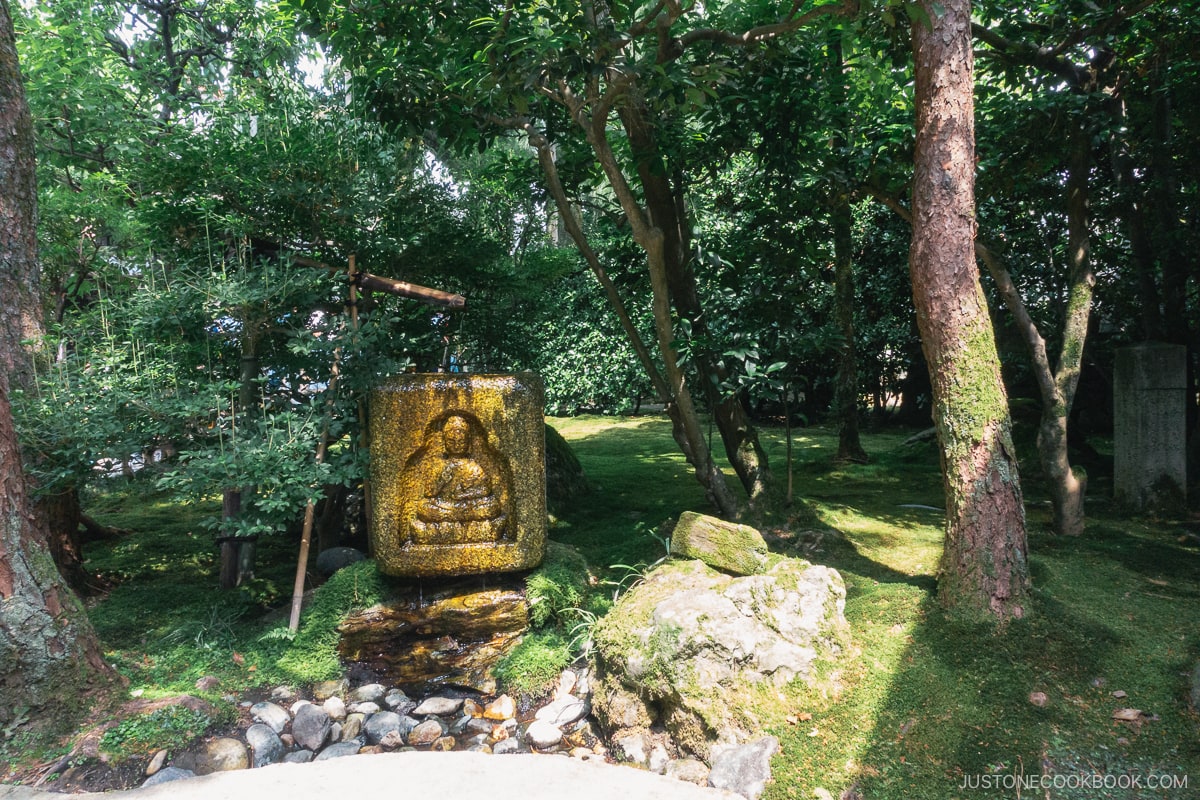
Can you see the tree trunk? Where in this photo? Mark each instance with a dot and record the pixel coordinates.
(1068, 487)
(61, 515)
(1057, 385)
(649, 236)
(237, 557)
(664, 206)
(984, 570)
(48, 649)
(845, 396)
(685, 428)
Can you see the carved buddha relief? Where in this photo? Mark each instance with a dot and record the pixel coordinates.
(458, 474)
(461, 486)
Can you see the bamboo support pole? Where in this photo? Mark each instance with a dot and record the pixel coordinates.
(402, 288)
(310, 506)
(362, 406)
(377, 283)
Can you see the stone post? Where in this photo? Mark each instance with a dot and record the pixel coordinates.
(1150, 428)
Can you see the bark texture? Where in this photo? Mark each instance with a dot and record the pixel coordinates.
(984, 568)
(47, 647)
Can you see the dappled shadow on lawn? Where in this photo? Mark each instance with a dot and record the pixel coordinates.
(922, 705)
(1153, 551)
(955, 709)
(832, 548)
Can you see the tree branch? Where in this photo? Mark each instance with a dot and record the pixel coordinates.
(774, 30)
(1044, 58)
(550, 169)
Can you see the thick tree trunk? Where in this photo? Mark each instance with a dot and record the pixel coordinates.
(61, 515)
(984, 570)
(48, 649)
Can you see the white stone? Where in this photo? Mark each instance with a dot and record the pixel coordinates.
(335, 708)
(438, 706)
(543, 735)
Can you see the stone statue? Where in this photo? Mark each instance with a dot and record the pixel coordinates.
(462, 486)
(458, 474)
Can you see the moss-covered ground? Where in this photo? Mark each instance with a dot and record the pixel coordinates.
(920, 706)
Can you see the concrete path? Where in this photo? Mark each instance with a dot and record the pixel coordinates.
(434, 776)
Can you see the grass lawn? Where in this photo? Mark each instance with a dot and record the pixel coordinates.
(920, 704)
(923, 705)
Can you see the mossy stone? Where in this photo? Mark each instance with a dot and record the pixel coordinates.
(727, 546)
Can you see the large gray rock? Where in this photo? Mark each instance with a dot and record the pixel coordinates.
(726, 546)
(380, 725)
(270, 714)
(222, 755)
(744, 769)
(369, 693)
(168, 774)
(684, 645)
(311, 727)
(265, 744)
(565, 481)
(298, 757)
(399, 702)
(438, 706)
(331, 560)
(340, 749)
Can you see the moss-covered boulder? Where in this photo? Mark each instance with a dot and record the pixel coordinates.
(727, 546)
(686, 647)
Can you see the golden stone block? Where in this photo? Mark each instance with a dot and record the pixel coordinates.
(458, 472)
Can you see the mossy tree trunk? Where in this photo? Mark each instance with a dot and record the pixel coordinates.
(48, 650)
(1057, 383)
(984, 569)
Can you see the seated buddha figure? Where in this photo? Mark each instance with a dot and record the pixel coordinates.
(459, 488)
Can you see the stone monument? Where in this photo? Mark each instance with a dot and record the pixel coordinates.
(458, 470)
(1149, 427)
